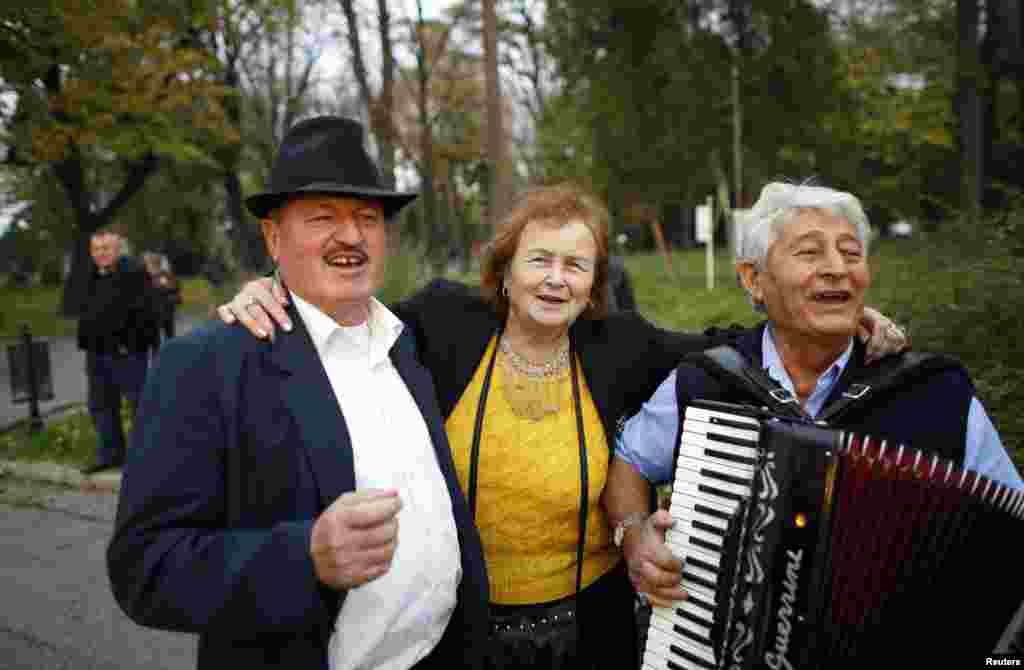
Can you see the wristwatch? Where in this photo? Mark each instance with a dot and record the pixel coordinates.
(619, 532)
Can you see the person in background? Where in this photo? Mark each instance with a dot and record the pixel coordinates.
(533, 375)
(116, 329)
(166, 290)
(804, 263)
(296, 505)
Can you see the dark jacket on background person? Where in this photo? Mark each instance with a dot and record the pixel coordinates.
(238, 448)
(118, 316)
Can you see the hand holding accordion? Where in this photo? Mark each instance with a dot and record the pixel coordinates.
(807, 547)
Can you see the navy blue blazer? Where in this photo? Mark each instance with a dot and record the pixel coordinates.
(238, 446)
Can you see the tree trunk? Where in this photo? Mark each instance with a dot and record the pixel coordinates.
(382, 114)
(969, 109)
(498, 187)
(380, 109)
(246, 239)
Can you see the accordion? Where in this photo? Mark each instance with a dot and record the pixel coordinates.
(809, 547)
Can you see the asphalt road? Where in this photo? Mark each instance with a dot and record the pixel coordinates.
(56, 608)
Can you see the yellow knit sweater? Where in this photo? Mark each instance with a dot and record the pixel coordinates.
(528, 490)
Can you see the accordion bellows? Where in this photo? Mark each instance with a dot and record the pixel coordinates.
(809, 547)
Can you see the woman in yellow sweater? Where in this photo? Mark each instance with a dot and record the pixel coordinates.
(533, 376)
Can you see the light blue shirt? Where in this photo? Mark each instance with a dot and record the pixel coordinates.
(647, 441)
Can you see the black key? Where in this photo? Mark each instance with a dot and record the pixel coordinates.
(704, 544)
(701, 603)
(707, 528)
(690, 616)
(711, 490)
(693, 636)
(712, 511)
(732, 479)
(726, 456)
(692, 578)
(729, 439)
(692, 658)
(717, 420)
(696, 562)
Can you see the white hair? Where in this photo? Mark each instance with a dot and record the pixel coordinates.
(779, 204)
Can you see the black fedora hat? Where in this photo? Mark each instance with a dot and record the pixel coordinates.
(325, 155)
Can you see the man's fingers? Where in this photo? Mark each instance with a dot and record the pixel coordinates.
(244, 317)
(277, 289)
(379, 537)
(657, 577)
(364, 495)
(662, 520)
(666, 599)
(225, 314)
(371, 513)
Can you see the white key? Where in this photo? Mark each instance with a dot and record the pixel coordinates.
(689, 476)
(673, 619)
(709, 415)
(688, 488)
(680, 500)
(659, 642)
(702, 450)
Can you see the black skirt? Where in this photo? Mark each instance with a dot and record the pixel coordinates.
(607, 630)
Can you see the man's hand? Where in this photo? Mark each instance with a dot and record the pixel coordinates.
(653, 569)
(881, 335)
(354, 539)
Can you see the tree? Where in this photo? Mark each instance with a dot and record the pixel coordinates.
(268, 61)
(379, 107)
(105, 92)
(438, 124)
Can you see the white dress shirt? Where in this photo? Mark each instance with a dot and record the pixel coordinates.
(392, 622)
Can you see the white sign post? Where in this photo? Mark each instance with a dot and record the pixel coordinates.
(705, 233)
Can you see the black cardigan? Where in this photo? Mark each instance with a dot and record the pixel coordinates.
(624, 357)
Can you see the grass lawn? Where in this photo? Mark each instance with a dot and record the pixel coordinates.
(70, 440)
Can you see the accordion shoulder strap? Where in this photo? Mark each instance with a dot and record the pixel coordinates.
(883, 376)
(728, 365)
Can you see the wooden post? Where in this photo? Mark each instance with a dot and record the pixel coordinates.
(710, 244)
(666, 253)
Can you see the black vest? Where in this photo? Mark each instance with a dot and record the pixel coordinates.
(927, 409)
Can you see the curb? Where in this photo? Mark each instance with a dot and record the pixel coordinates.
(62, 475)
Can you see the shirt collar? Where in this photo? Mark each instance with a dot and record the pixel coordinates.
(384, 328)
(772, 363)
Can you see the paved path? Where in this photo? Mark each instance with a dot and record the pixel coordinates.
(68, 366)
(57, 612)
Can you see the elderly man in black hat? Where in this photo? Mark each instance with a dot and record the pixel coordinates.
(295, 503)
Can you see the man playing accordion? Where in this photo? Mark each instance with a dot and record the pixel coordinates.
(804, 263)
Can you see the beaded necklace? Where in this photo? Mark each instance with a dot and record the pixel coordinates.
(533, 390)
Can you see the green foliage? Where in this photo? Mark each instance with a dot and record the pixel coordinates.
(647, 98)
(114, 76)
(406, 272)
